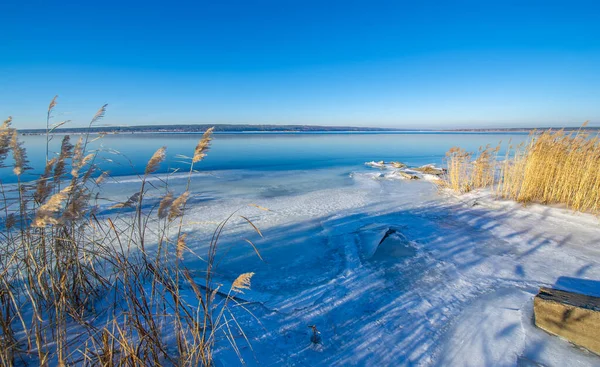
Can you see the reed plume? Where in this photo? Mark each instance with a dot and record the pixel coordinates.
(87, 159)
(5, 138)
(52, 105)
(203, 145)
(155, 161)
(100, 179)
(47, 213)
(180, 246)
(178, 205)
(19, 154)
(77, 206)
(165, 205)
(242, 282)
(99, 114)
(66, 152)
(77, 158)
(128, 203)
(48, 130)
(43, 188)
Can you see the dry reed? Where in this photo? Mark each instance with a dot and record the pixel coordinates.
(242, 282)
(553, 167)
(202, 147)
(155, 160)
(165, 205)
(74, 283)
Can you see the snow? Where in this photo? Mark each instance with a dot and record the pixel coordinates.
(452, 284)
(388, 171)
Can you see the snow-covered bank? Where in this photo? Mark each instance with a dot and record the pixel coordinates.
(452, 284)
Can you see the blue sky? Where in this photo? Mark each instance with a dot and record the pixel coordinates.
(361, 63)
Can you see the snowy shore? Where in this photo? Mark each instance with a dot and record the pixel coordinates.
(391, 272)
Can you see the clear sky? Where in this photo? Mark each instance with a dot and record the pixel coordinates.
(363, 63)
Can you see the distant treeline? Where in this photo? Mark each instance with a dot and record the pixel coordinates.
(232, 128)
(202, 127)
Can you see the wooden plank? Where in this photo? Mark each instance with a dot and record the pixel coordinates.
(572, 316)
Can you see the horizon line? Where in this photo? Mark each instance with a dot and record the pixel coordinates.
(230, 127)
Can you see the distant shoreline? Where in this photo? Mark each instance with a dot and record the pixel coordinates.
(276, 129)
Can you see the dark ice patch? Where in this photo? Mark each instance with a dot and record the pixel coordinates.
(393, 246)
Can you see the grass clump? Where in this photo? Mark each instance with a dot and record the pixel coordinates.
(79, 282)
(553, 167)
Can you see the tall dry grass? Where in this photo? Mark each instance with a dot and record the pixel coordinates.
(78, 287)
(553, 167)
